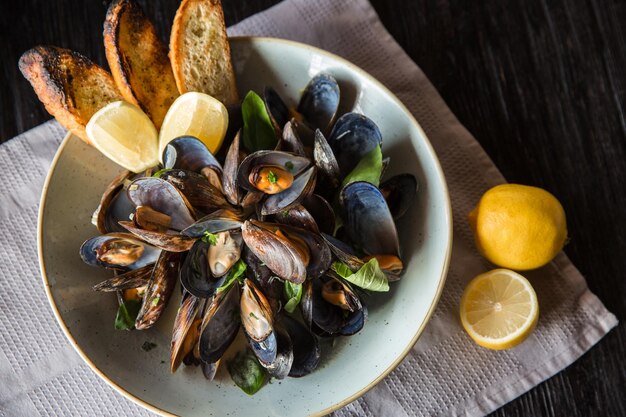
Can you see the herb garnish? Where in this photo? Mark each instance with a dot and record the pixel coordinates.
(272, 177)
(210, 238)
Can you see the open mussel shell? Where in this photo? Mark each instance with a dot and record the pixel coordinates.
(171, 242)
(276, 108)
(163, 197)
(218, 221)
(121, 251)
(289, 162)
(326, 162)
(368, 221)
(352, 137)
(343, 252)
(197, 189)
(277, 252)
(195, 275)
(399, 191)
(306, 348)
(297, 216)
(320, 101)
(135, 278)
(302, 186)
(186, 330)
(320, 257)
(112, 208)
(219, 325)
(281, 366)
(190, 154)
(159, 290)
(290, 141)
(322, 212)
(231, 165)
(258, 322)
(329, 316)
(271, 286)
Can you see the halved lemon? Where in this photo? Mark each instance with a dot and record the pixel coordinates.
(499, 309)
(126, 135)
(195, 114)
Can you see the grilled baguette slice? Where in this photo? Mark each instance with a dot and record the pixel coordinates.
(71, 86)
(200, 52)
(138, 59)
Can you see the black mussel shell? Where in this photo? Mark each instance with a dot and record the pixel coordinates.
(276, 108)
(320, 101)
(352, 137)
(189, 153)
(306, 348)
(163, 197)
(91, 248)
(195, 275)
(219, 325)
(399, 191)
(218, 221)
(368, 221)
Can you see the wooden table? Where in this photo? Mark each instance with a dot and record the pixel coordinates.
(542, 86)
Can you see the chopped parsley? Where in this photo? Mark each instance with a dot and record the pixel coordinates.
(272, 177)
(210, 238)
(156, 300)
(253, 315)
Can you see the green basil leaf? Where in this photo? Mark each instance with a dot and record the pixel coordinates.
(247, 372)
(258, 132)
(342, 269)
(369, 277)
(235, 273)
(293, 293)
(127, 314)
(368, 169)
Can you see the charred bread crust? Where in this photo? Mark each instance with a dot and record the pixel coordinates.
(138, 59)
(71, 86)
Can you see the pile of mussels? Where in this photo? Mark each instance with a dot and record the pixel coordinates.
(301, 225)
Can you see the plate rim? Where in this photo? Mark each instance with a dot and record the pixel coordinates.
(384, 373)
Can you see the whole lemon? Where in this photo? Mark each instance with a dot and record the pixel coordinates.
(518, 226)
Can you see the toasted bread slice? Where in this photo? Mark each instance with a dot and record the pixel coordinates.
(71, 86)
(200, 52)
(138, 59)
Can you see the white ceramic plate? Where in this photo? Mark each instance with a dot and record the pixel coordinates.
(355, 364)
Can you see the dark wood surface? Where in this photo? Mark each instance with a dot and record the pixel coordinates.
(542, 86)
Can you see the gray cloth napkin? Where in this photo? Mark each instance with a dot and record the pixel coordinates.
(445, 373)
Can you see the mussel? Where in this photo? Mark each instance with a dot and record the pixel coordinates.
(219, 325)
(257, 320)
(320, 101)
(121, 251)
(352, 137)
(190, 154)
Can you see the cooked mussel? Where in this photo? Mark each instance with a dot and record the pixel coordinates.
(290, 141)
(114, 205)
(195, 273)
(231, 165)
(368, 220)
(159, 290)
(306, 348)
(162, 197)
(219, 325)
(186, 330)
(270, 171)
(121, 251)
(330, 306)
(218, 221)
(352, 137)
(276, 108)
(197, 189)
(135, 278)
(320, 101)
(190, 154)
(399, 191)
(224, 252)
(286, 258)
(258, 322)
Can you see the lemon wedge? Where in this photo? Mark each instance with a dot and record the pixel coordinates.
(195, 114)
(499, 309)
(125, 135)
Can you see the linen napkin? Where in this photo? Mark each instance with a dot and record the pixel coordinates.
(445, 373)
